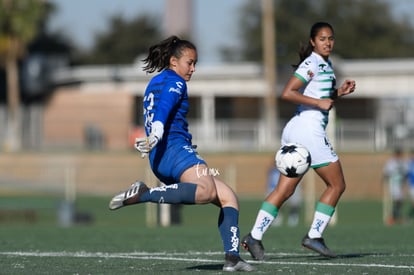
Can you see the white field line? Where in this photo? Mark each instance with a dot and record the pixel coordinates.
(183, 257)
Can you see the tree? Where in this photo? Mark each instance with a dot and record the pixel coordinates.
(370, 28)
(363, 29)
(123, 42)
(18, 25)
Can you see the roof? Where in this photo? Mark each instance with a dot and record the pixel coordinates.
(379, 78)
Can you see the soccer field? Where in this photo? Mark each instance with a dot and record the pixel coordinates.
(119, 242)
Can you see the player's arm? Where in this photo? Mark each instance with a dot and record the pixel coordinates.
(292, 94)
(346, 88)
(170, 96)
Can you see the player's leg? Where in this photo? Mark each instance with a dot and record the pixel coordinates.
(333, 177)
(396, 213)
(411, 193)
(228, 224)
(398, 198)
(176, 167)
(190, 189)
(271, 205)
(267, 213)
(200, 176)
(213, 190)
(197, 186)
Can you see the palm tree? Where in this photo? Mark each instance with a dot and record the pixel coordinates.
(19, 21)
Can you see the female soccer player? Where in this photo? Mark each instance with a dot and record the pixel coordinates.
(410, 180)
(395, 175)
(312, 87)
(173, 158)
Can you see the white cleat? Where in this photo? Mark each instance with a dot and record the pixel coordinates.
(130, 196)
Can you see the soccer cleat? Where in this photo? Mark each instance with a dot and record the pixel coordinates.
(255, 247)
(318, 245)
(129, 196)
(235, 263)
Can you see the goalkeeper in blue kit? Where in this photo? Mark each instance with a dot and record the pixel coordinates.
(173, 158)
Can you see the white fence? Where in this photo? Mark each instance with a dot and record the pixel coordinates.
(247, 134)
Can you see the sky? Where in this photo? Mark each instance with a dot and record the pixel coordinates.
(215, 20)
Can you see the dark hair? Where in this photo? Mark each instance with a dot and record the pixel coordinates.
(306, 50)
(159, 54)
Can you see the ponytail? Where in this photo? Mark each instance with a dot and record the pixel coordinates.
(304, 52)
(159, 54)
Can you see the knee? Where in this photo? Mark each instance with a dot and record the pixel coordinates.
(340, 187)
(206, 193)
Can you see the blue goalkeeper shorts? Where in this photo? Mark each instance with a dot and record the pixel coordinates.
(170, 158)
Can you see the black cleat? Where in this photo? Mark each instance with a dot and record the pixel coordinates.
(235, 263)
(318, 245)
(255, 247)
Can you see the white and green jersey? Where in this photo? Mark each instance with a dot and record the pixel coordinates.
(319, 79)
(308, 126)
(395, 170)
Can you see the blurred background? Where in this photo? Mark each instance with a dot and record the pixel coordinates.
(71, 87)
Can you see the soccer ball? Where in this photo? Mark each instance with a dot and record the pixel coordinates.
(293, 160)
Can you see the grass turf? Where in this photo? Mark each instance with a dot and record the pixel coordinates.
(119, 241)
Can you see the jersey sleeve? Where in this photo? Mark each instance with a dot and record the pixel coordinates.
(306, 70)
(171, 94)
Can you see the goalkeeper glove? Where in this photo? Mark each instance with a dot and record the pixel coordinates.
(146, 144)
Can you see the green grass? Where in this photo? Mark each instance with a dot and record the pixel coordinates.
(119, 242)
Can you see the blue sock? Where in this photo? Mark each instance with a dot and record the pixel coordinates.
(177, 193)
(229, 230)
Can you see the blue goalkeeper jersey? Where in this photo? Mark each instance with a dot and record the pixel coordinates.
(411, 172)
(166, 100)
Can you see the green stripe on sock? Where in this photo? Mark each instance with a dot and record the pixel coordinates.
(269, 208)
(325, 209)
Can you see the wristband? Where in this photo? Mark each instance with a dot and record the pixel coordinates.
(334, 95)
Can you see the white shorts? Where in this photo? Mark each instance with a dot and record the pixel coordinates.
(312, 135)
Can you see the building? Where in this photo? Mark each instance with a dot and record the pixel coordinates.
(99, 107)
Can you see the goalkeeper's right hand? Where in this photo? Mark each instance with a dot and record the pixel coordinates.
(146, 144)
